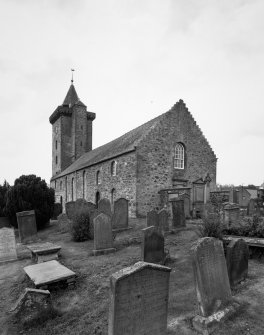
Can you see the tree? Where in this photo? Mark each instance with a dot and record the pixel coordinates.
(30, 193)
(3, 191)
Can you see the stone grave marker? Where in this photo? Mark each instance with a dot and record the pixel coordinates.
(27, 226)
(210, 273)
(153, 246)
(139, 300)
(120, 216)
(70, 209)
(178, 214)
(32, 305)
(163, 220)
(104, 206)
(64, 222)
(7, 245)
(251, 207)
(91, 206)
(103, 238)
(152, 218)
(237, 255)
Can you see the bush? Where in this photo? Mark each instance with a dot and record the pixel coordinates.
(211, 227)
(252, 228)
(80, 227)
(3, 191)
(30, 193)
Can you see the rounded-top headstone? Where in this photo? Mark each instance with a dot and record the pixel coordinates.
(104, 206)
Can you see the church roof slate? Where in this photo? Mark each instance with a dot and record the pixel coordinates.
(121, 145)
(71, 97)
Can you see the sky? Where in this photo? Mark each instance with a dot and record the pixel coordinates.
(133, 60)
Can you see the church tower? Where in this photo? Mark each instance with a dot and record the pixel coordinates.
(71, 131)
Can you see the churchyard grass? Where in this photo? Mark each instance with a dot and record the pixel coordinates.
(84, 308)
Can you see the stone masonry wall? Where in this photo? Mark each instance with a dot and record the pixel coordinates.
(155, 157)
(124, 183)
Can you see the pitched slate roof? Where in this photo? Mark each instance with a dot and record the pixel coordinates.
(121, 145)
(71, 97)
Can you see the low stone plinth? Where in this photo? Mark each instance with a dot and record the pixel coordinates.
(43, 252)
(251, 241)
(103, 251)
(50, 272)
(119, 230)
(207, 325)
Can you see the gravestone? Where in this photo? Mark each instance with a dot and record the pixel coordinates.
(32, 305)
(64, 222)
(251, 207)
(7, 245)
(232, 215)
(237, 255)
(80, 205)
(152, 219)
(163, 220)
(103, 239)
(210, 274)
(70, 209)
(91, 206)
(139, 300)
(178, 215)
(152, 246)
(120, 216)
(27, 226)
(93, 213)
(104, 206)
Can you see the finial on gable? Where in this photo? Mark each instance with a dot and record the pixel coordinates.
(72, 70)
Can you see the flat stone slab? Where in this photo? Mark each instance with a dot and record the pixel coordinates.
(49, 272)
(43, 252)
(251, 241)
(103, 251)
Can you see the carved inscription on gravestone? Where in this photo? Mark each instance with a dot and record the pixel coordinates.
(152, 219)
(120, 216)
(152, 245)
(7, 245)
(210, 274)
(139, 300)
(237, 255)
(102, 232)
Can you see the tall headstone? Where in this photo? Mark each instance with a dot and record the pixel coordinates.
(27, 226)
(237, 255)
(251, 207)
(120, 216)
(139, 300)
(104, 206)
(178, 215)
(70, 209)
(153, 246)
(64, 222)
(103, 238)
(7, 245)
(210, 274)
(152, 219)
(80, 204)
(163, 220)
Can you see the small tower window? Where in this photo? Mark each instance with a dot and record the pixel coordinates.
(113, 168)
(56, 145)
(98, 178)
(56, 159)
(179, 156)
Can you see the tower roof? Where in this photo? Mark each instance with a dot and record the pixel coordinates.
(71, 97)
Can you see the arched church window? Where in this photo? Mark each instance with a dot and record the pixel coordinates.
(84, 184)
(56, 159)
(113, 168)
(97, 198)
(179, 156)
(113, 193)
(72, 189)
(98, 177)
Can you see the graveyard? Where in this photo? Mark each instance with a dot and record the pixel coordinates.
(86, 306)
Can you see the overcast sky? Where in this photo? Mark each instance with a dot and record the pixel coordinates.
(133, 59)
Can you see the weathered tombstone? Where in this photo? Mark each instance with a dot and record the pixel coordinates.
(251, 207)
(64, 222)
(153, 246)
(139, 300)
(80, 204)
(163, 220)
(120, 216)
(104, 206)
(91, 206)
(70, 209)
(7, 245)
(27, 226)
(152, 218)
(32, 305)
(93, 213)
(211, 283)
(178, 215)
(103, 238)
(4, 222)
(237, 255)
(231, 214)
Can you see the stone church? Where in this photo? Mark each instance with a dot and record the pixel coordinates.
(164, 159)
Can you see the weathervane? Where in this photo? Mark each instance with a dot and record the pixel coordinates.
(72, 70)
